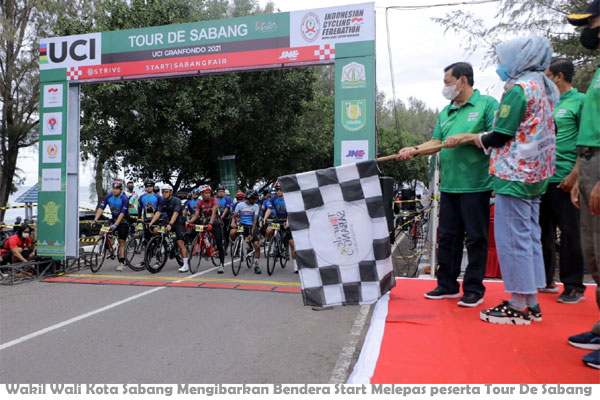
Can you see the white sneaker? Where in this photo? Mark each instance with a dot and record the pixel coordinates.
(120, 267)
(220, 270)
(295, 269)
(185, 268)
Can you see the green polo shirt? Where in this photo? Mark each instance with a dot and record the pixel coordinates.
(589, 127)
(464, 169)
(567, 115)
(510, 114)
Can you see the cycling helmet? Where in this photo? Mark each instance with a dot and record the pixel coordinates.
(240, 195)
(204, 188)
(273, 191)
(148, 182)
(156, 189)
(252, 194)
(277, 186)
(118, 184)
(220, 187)
(196, 191)
(167, 187)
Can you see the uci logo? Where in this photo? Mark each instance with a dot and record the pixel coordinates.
(70, 51)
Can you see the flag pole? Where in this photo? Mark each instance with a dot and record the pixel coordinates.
(424, 149)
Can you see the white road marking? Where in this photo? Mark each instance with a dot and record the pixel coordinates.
(94, 312)
(343, 362)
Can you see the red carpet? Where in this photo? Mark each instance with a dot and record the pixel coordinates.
(436, 341)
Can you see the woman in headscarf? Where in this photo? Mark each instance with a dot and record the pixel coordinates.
(522, 146)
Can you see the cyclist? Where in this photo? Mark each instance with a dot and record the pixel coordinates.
(190, 205)
(208, 207)
(248, 213)
(119, 205)
(148, 204)
(171, 205)
(225, 208)
(276, 206)
(133, 200)
(239, 198)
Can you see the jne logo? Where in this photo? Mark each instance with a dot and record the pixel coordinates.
(70, 51)
(358, 154)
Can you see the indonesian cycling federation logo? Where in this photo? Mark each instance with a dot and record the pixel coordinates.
(354, 76)
(51, 213)
(310, 27)
(354, 115)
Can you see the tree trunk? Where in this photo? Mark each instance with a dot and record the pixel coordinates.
(99, 176)
(9, 165)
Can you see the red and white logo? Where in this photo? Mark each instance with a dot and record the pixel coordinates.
(289, 55)
(73, 73)
(325, 52)
(310, 27)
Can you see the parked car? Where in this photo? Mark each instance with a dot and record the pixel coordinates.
(86, 220)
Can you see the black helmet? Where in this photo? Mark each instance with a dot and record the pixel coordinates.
(220, 187)
(148, 182)
(156, 189)
(252, 194)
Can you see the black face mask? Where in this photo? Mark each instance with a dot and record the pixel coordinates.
(589, 38)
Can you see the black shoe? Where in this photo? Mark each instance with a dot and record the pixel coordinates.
(257, 270)
(570, 296)
(505, 314)
(470, 300)
(535, 313)
(439, 293)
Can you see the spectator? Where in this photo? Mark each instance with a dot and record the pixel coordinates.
(19, 247)
(586, 191)
(556, 208)
(17, 224)
(465, 187)
(522, 160)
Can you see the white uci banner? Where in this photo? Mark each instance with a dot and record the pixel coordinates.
(340, 233)
(352, 23)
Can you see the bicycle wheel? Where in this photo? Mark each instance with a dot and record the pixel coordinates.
(249, 253)
(156, 254)
(195, 255)
(134, 256)
(271, 255)
(98, 254)
(236, 255)
(283, 253)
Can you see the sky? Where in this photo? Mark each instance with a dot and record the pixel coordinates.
(419, 48)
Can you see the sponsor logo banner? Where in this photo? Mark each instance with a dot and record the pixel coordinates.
(354, 151)
(52, 96)
(52, 151)
(68, 51)
(354, 114)
(52, 123)
(352, 23)
(51, 179)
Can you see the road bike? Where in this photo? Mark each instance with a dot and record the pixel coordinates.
(135, 248)
(161, 248)
(203, 246)
(277, 250)
(107, 246)
(241, 250)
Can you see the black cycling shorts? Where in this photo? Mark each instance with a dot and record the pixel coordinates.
(248, 229)
(122, 229)
(179, 229)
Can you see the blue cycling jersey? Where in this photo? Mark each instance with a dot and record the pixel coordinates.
(225, 203)
(277, 206)
(246, 212)
(118, 205)
(149, 204)
(190, 205)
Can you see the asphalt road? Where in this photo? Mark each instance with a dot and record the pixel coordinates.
(77, 333)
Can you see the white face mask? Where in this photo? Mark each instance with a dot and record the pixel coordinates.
(450, 92)
(25, 235)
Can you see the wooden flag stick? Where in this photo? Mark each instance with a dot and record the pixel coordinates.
(424, 149)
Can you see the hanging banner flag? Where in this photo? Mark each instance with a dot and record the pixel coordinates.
(340, 233)
(228, 173)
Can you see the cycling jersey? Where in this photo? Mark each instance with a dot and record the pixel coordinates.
(225, 203)
(246, 212)
(149, 204)
(205, 208)
(171, 206)
(190, 205)
(277, 207)
(133, 202)
(118, 205)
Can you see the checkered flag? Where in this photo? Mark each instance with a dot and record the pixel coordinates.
(73, 73)
(340, 234)
(325, 52)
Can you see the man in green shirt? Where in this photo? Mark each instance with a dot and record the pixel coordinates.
(586, 191)
(465, 187)
(556, 208)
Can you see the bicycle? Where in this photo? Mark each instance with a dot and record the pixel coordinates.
(134, 248)
(159, 249)
(104, 248)
(203, 246)
(241, 250)
(277, 249)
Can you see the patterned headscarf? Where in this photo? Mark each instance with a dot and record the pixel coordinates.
(529, 55)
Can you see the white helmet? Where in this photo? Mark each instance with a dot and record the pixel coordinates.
(167, 187)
